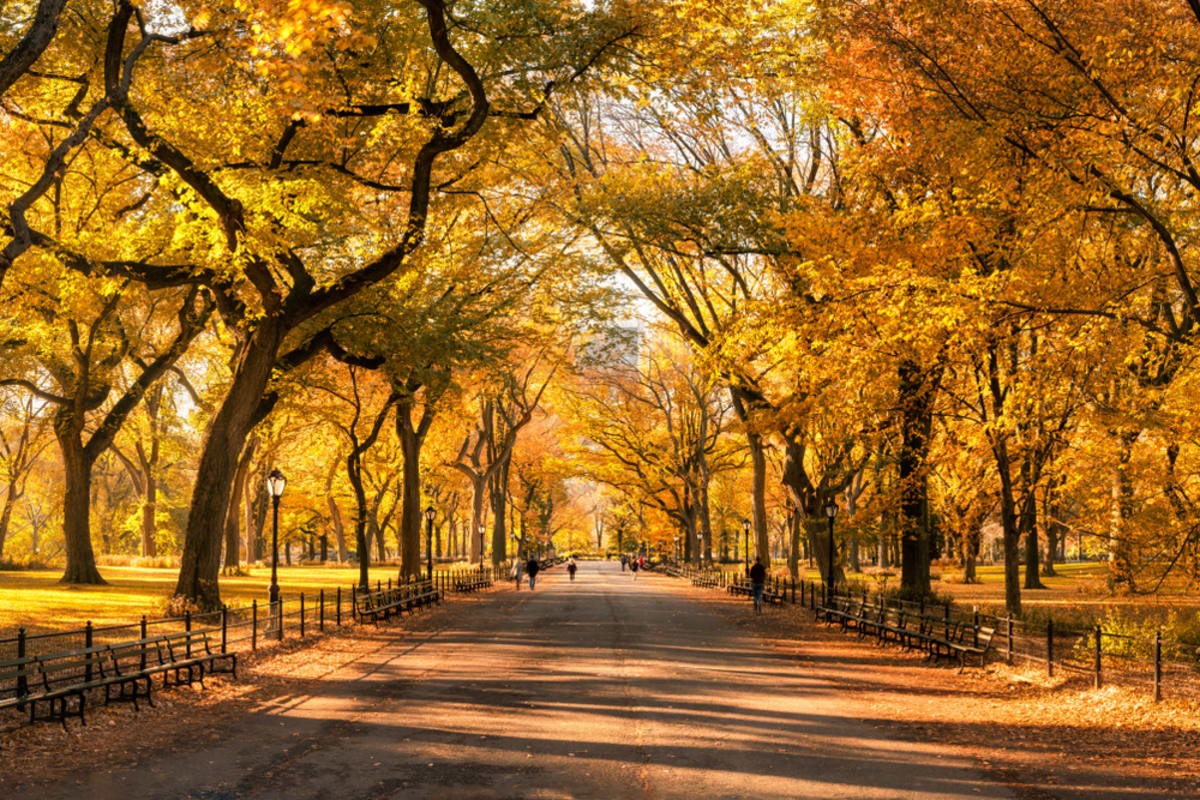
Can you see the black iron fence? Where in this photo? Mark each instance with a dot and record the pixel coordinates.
(1155, 662)
(240, 628)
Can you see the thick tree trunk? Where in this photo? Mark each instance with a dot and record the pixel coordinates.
(410, 490)
(474, 539)
(10, 500)
(816, 529)
(706, 534)
(499, 496)
(223, 443)
(1012, 533)
(916, 420)
(77, 475)
(793, 525)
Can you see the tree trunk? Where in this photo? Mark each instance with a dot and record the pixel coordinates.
(150, 516)
(499, 492)
(1055, 529)
(10, 500)
(234, 512)
(794, 549)
(410, 489)
(223, 442)
(1120, 571)
(335, 515)
(474, 539)
(1012, 534)
(916, 420)
(817, 533)
(77, 475)
(706, 534)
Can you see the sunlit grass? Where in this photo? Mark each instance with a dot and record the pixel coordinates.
(34, 599)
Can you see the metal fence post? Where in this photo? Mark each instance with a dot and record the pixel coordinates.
(1008, 656)
(224, 627)
(142, 659)
(22, 683)
(87, 643)
(1050, 647)
(321, 622)
(1157, 666)
(1096, 679)
(254, 625)
(302, 615)
(338, 612)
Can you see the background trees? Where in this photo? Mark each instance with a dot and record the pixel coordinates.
(929, 259)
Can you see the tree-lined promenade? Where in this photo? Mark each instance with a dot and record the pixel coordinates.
(609, 687)
(662, 277)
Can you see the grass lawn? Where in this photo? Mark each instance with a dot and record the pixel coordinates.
(34, 598)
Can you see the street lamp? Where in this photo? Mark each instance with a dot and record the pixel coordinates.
(482, 531)
(746, 539)
(831, 509)
(429, 512)
(275, 484)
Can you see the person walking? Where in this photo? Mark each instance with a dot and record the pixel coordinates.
(516, 571)
(758, 580)
(531, 568)
(622, 562)
(571, 567)
(633, 565)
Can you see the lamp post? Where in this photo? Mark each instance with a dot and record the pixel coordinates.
(275, 484)
(746, 539)
(429, 512)
(831, 509)
(482, 531)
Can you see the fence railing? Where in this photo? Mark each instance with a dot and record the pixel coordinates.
(236, 628)
(1153, 662)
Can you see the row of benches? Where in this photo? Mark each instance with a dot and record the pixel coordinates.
(473, 583)
(404, 597)
(939, 637)
(124, 670)
(742, 586)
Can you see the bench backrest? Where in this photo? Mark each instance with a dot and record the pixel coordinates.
(17, 673)
(983, 636)
(131, 657)
(181, 646)
(73, 666)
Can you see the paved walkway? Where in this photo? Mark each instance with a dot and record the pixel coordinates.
(604, 687)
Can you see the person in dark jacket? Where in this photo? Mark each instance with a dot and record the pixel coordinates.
(531, 569)
(758, 580)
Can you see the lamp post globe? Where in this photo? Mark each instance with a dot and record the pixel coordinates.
(429, 514)
(746, 539)
(831, 510)
(275, 485)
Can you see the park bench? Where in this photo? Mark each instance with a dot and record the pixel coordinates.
(54, 679)
(402, 598)
(472, 583)
(977, 643)
(191, 652)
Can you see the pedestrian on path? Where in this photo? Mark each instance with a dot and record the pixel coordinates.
(622, 562)
(516, 571)
(571, 567)
(531, 568)
(633, 565)
(758, 579)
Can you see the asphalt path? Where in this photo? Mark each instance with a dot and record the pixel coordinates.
(601, 687)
